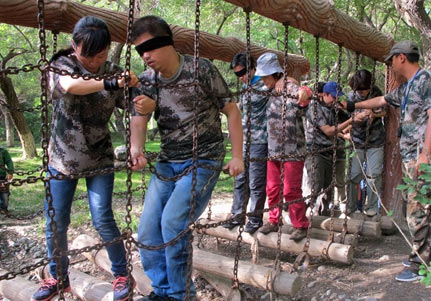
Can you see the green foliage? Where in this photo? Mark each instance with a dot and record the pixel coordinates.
(423, 271)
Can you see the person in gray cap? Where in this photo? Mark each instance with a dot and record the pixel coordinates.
(414, 99)
(293, 141)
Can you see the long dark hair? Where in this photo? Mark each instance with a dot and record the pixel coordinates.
(90, 32)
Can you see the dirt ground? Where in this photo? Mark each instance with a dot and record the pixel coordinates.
(370, 277)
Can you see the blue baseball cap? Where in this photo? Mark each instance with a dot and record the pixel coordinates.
(333, 88)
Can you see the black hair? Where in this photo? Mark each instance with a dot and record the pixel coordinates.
(320, 86)
(277, 75)
(361, 80)
(92, 34)
(412, 57)
(154, 25)
(240, 59)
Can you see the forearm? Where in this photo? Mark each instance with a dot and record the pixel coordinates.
(138, 133)
(79, 86)
(372, 103)
(235, 134)
(331, 130)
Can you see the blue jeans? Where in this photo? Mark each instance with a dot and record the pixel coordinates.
(165, 214)
(99, 190)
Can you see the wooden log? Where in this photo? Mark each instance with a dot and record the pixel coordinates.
(223, 286)
(365, 228)
(20, 289)
(321, 234)
(336, 252)
(61, 15)
(321, 18)
(284, 283)
(385, 221)
(143, 283)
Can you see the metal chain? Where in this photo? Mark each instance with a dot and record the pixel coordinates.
(195, 148)
(357, 61)
(54, 41)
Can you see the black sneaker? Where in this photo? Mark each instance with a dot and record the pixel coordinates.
(48, 289)
(252, 226)
(408, 276)
(231, 224)
(154, 296)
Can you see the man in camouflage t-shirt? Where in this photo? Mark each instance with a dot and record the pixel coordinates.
(180, 108)
(414, 99)
(258, 147)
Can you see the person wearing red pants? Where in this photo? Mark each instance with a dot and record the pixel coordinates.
(293, 141)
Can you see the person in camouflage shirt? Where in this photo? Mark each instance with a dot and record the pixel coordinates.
(368, 138)
(79, 143)
(6, 175)
(414, 99)
(321, 127)
(291, 145)
(167, 203)
(258, 148)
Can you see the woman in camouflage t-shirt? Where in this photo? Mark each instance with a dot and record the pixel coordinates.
(80, 143)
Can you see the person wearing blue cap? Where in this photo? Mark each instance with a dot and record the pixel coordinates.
(321, 127)
(414, 99)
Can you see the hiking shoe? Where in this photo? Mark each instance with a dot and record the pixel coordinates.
(298, 234)
(121, 288)
(408, 276)
(370, 212)
(268, 227)
(231, 224)
(252, 226)
(407, 263)
(48, 289)
(154, 296)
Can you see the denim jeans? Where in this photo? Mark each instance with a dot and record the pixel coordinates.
(99, 190)
(257, 184)
(166, 213)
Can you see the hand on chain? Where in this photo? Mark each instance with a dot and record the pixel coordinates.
(234, 166)
(138, 160)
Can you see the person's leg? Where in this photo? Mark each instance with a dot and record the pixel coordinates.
(355, 178)
(4, 200)
(292, 191)
(374, 157)
(322, 180)
(100, 200)
(273, 189)
(340, 180)
(257, 182)
(176, 218)
(150, 232)
(240, 196)
(62, 192)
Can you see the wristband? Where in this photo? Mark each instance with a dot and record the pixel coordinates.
(350, 106)
(111, 85)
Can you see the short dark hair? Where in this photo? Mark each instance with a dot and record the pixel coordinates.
(412, 57)
(361, 80)
(320, 86)
(240, 59)
(154, 25)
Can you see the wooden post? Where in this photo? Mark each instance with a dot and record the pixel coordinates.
(284, 283)
(336, 252)
(365, 228)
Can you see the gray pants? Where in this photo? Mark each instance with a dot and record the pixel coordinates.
(4, 200)
(257, 184)
(323, 176)
(374, 160)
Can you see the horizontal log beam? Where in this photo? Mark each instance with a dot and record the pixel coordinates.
(321, 18)
(61, 15)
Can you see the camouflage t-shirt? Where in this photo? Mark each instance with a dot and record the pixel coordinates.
(294, 144)
(325, 115)
(80, 139)
(375, 136)
(415, 118)
(258, 113)
(174, 110)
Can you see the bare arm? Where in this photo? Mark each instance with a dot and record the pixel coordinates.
(424, 156)
(79, 86)
(138, 132)
(236, 165)
(372, 103)
(329, 130)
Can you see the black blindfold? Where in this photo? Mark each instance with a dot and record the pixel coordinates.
(154, 43)
(241, 72)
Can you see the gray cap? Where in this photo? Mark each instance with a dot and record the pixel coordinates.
(403, 47)
(268, 64)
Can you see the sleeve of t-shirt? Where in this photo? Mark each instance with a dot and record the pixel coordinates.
(62, 63)
(219, 87)
(395, 97)
(425, 86)
(317, 119)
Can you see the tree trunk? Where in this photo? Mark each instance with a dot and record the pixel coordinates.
(61, 15)
(10, 134)
(24, 133)
(320, 18)
(415, 14)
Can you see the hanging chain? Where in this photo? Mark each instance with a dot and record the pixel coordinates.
(357, 61)
(54, 41)
(195, 148)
